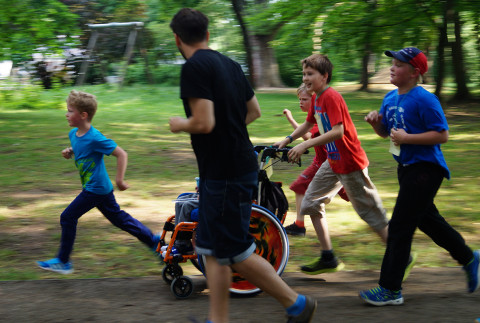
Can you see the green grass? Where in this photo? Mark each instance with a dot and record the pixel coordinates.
(37, 183)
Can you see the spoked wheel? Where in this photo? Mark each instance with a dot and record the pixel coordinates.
(170, 272)
(182, 287)
(272, 244)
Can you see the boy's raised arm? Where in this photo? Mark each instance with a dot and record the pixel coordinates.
(122, 160)
(297, 133)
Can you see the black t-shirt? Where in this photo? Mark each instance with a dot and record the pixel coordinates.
(226, 152)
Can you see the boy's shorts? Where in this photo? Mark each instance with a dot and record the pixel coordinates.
(300, 185)
(224, 218)
(362, 192)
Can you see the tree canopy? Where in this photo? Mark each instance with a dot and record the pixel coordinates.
(269, 37)
(30, 26)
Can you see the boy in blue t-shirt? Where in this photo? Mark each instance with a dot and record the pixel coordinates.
(89, 146)
(414, 120)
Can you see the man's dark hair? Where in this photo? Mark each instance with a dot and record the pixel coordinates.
(190, 25)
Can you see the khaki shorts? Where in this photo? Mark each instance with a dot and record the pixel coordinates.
(360, 189)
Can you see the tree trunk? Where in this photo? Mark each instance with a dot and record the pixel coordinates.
(440, 62)
(458, 65)
(364, 76)
(264, 71)
(367, 47)
(238, 10)
(265, 63)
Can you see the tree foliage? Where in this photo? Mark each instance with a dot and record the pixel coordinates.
(30, 26)
(268, 37)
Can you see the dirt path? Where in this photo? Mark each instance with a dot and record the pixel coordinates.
(431, 295)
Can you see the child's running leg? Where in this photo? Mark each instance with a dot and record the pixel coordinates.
(84, 202)
(366, 201)
(121, 219)
(299, 186)
(324, 186)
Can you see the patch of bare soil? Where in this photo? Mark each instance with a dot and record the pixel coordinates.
(431, 295)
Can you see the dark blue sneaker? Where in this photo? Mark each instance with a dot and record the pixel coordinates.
(380, 296)
(473, 272)
(56, 265)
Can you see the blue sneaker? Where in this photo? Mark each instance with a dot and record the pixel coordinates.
(177, 250)
(473, 272)
(56, 265)
(380, 296)
(156, 241)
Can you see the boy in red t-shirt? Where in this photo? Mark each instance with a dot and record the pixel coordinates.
(300, 185)
(346, 163)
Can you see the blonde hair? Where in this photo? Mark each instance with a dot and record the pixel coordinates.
(321, 63)
(83, 102)
(303, 88)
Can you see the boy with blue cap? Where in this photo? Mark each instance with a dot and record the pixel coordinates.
(414, 120)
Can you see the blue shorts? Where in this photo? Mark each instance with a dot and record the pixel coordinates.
(224, 218)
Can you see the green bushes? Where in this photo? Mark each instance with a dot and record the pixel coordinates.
(163, 74)
(25, 96)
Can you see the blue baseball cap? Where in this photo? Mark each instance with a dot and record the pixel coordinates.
(412, 56)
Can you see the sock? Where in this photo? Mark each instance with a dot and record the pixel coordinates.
(328, 255)
(298, 306)
(300, 224)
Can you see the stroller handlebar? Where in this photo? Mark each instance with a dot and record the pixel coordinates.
(274, 151)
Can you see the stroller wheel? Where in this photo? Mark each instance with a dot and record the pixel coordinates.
(182, 287)
(170, 272)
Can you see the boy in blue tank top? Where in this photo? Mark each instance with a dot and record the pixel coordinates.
(88, 146)
(414, 121)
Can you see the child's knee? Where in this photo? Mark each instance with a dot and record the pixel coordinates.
(67, 218)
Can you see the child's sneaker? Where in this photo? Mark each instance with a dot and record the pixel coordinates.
(174, 252)
(380, 296)
(294, 230)
(410, 264)
(320, 266)
(177, 250)
(307, 314)
(156, 241)
(473, 272)
(56, 265)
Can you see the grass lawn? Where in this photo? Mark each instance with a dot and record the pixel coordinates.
(37, 183)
